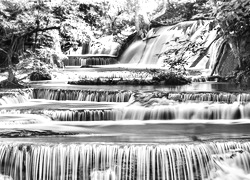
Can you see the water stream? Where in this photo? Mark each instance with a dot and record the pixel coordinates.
(56, 131)
(110, 161)
(159, 40)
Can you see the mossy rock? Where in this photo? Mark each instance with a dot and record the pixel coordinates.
(38, 76)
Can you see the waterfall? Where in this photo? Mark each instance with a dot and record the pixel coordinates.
(159, 40)
(116, 162)
(214, 97)
(225, 97)
(172, 111)
(69, 115)
(88, 59)
(83, 95)
(185, 111)
(15, 96)
(128, 95)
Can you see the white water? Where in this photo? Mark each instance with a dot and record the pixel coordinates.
(83, 95)
(161, 39)
(93, 161)
(9, 97)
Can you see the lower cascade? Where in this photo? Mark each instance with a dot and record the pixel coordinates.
(200, 161)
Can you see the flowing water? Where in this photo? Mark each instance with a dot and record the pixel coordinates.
(66, 132)
(127, 149)
(9, 97)
(110, 162)
(159, 40)
(83, 95)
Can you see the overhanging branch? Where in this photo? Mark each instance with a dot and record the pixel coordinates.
(42, 30)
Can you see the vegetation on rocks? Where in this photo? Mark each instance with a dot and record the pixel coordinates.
(158, 78)
(233, 19)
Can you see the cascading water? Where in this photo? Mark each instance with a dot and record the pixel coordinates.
(209, 53)
(117, 162)
(160, 39)
(168, 111)
(132, 141)
(202, 159)
(8, 97)
(135, 105)
(82, 95)
(70, 115)
(127, 95)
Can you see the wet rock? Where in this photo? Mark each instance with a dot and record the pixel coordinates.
(30, 133)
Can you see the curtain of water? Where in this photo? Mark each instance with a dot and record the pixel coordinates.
(83, 95)
(157, 112)
(15, 97)
(117, 162)
(124, 96)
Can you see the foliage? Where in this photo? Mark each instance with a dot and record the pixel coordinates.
(183, 11)
(174, 56)
(107, 18)
(171, 78)
(21, 24)
(233, 18)
(27, 28)
(34, 61)
(75, 29)
(180, 49)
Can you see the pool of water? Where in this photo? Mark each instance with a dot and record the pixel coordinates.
(193, 87)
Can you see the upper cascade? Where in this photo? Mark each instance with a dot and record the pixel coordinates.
(200, 37)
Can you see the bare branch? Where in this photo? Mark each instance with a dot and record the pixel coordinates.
(42, 30)
(3, 51)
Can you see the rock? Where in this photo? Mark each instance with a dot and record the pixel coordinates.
(38, 76)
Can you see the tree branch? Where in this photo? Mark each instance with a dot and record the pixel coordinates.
(41, 30)
(3, 51)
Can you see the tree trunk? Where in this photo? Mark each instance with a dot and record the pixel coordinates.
(137, 19)
(11, 76)
(36, 34)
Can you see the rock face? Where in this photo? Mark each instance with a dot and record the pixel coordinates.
(226, 63)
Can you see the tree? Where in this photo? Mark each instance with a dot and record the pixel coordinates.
(77, 22)
(20, 22)
(26, 27)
